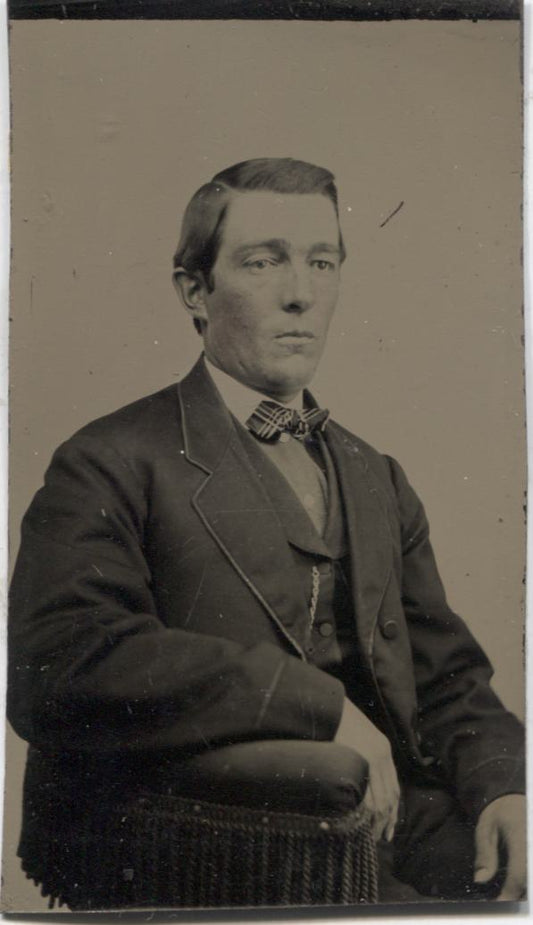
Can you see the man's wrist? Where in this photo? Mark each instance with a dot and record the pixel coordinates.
(496, 778)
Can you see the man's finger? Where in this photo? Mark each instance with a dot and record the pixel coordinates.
(391, 819)
(389, 833)
(368, 803)
(378, 823)
(385, 803)
(486, 859)
(391, 791)
(514, 885)
(374, 803)
(512, 891)
(370, 806)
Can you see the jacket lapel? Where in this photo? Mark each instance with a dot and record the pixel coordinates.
(236, 509)
(368, 532)
(298, 527)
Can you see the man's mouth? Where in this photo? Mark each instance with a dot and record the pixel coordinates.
(296, 335)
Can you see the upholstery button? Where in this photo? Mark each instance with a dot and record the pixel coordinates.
(326, 629)
(390, 629)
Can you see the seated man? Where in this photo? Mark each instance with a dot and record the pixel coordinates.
(219, 563)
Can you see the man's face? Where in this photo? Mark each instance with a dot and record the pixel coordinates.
(276, 281)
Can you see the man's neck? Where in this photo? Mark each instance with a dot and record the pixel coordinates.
(239, 398)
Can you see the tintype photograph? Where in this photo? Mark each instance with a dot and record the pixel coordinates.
(266, 330)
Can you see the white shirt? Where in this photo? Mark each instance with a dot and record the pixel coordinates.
(240, 399)
(291, 458)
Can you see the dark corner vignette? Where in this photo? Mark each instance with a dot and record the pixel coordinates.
(265, 9)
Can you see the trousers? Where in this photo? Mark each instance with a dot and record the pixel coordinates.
(432, 855)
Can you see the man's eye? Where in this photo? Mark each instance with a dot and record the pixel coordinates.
(260, 263)
(323, 264)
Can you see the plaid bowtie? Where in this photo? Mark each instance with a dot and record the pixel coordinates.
(270, 420)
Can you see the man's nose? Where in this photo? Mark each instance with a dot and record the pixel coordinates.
(298, 294)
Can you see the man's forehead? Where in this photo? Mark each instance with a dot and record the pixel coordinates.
(299, 218)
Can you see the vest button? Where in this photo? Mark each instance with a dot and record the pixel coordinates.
(390, 629)
(326, 629)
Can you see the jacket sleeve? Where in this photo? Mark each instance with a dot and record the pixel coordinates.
(478, 744)
(91, 667)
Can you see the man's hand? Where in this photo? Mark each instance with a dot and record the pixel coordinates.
(383, 792)
(502, 824)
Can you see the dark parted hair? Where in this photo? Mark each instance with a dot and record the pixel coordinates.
(203, 220)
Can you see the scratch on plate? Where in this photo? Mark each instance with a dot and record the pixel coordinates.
(95, 567)
(395, 212)
(200, 734)
(268, 695)
(196, 596)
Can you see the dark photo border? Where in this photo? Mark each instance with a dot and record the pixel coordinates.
(327, 10)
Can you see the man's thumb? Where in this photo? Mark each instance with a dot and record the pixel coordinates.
(486, 860)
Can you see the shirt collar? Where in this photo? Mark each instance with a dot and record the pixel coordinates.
(240, 399)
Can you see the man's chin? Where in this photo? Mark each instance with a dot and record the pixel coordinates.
(289, 378)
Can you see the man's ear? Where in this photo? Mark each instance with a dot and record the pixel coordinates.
(191, 289)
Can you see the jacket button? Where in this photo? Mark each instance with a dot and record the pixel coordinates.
(390, 629)
(326, 629)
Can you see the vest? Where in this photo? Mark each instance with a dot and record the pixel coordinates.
(321, 564)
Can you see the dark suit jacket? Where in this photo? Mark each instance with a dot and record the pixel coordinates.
(155, 612)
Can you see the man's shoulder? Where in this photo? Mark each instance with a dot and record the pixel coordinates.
(382, 470)
(370, 457)
(143, 423)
